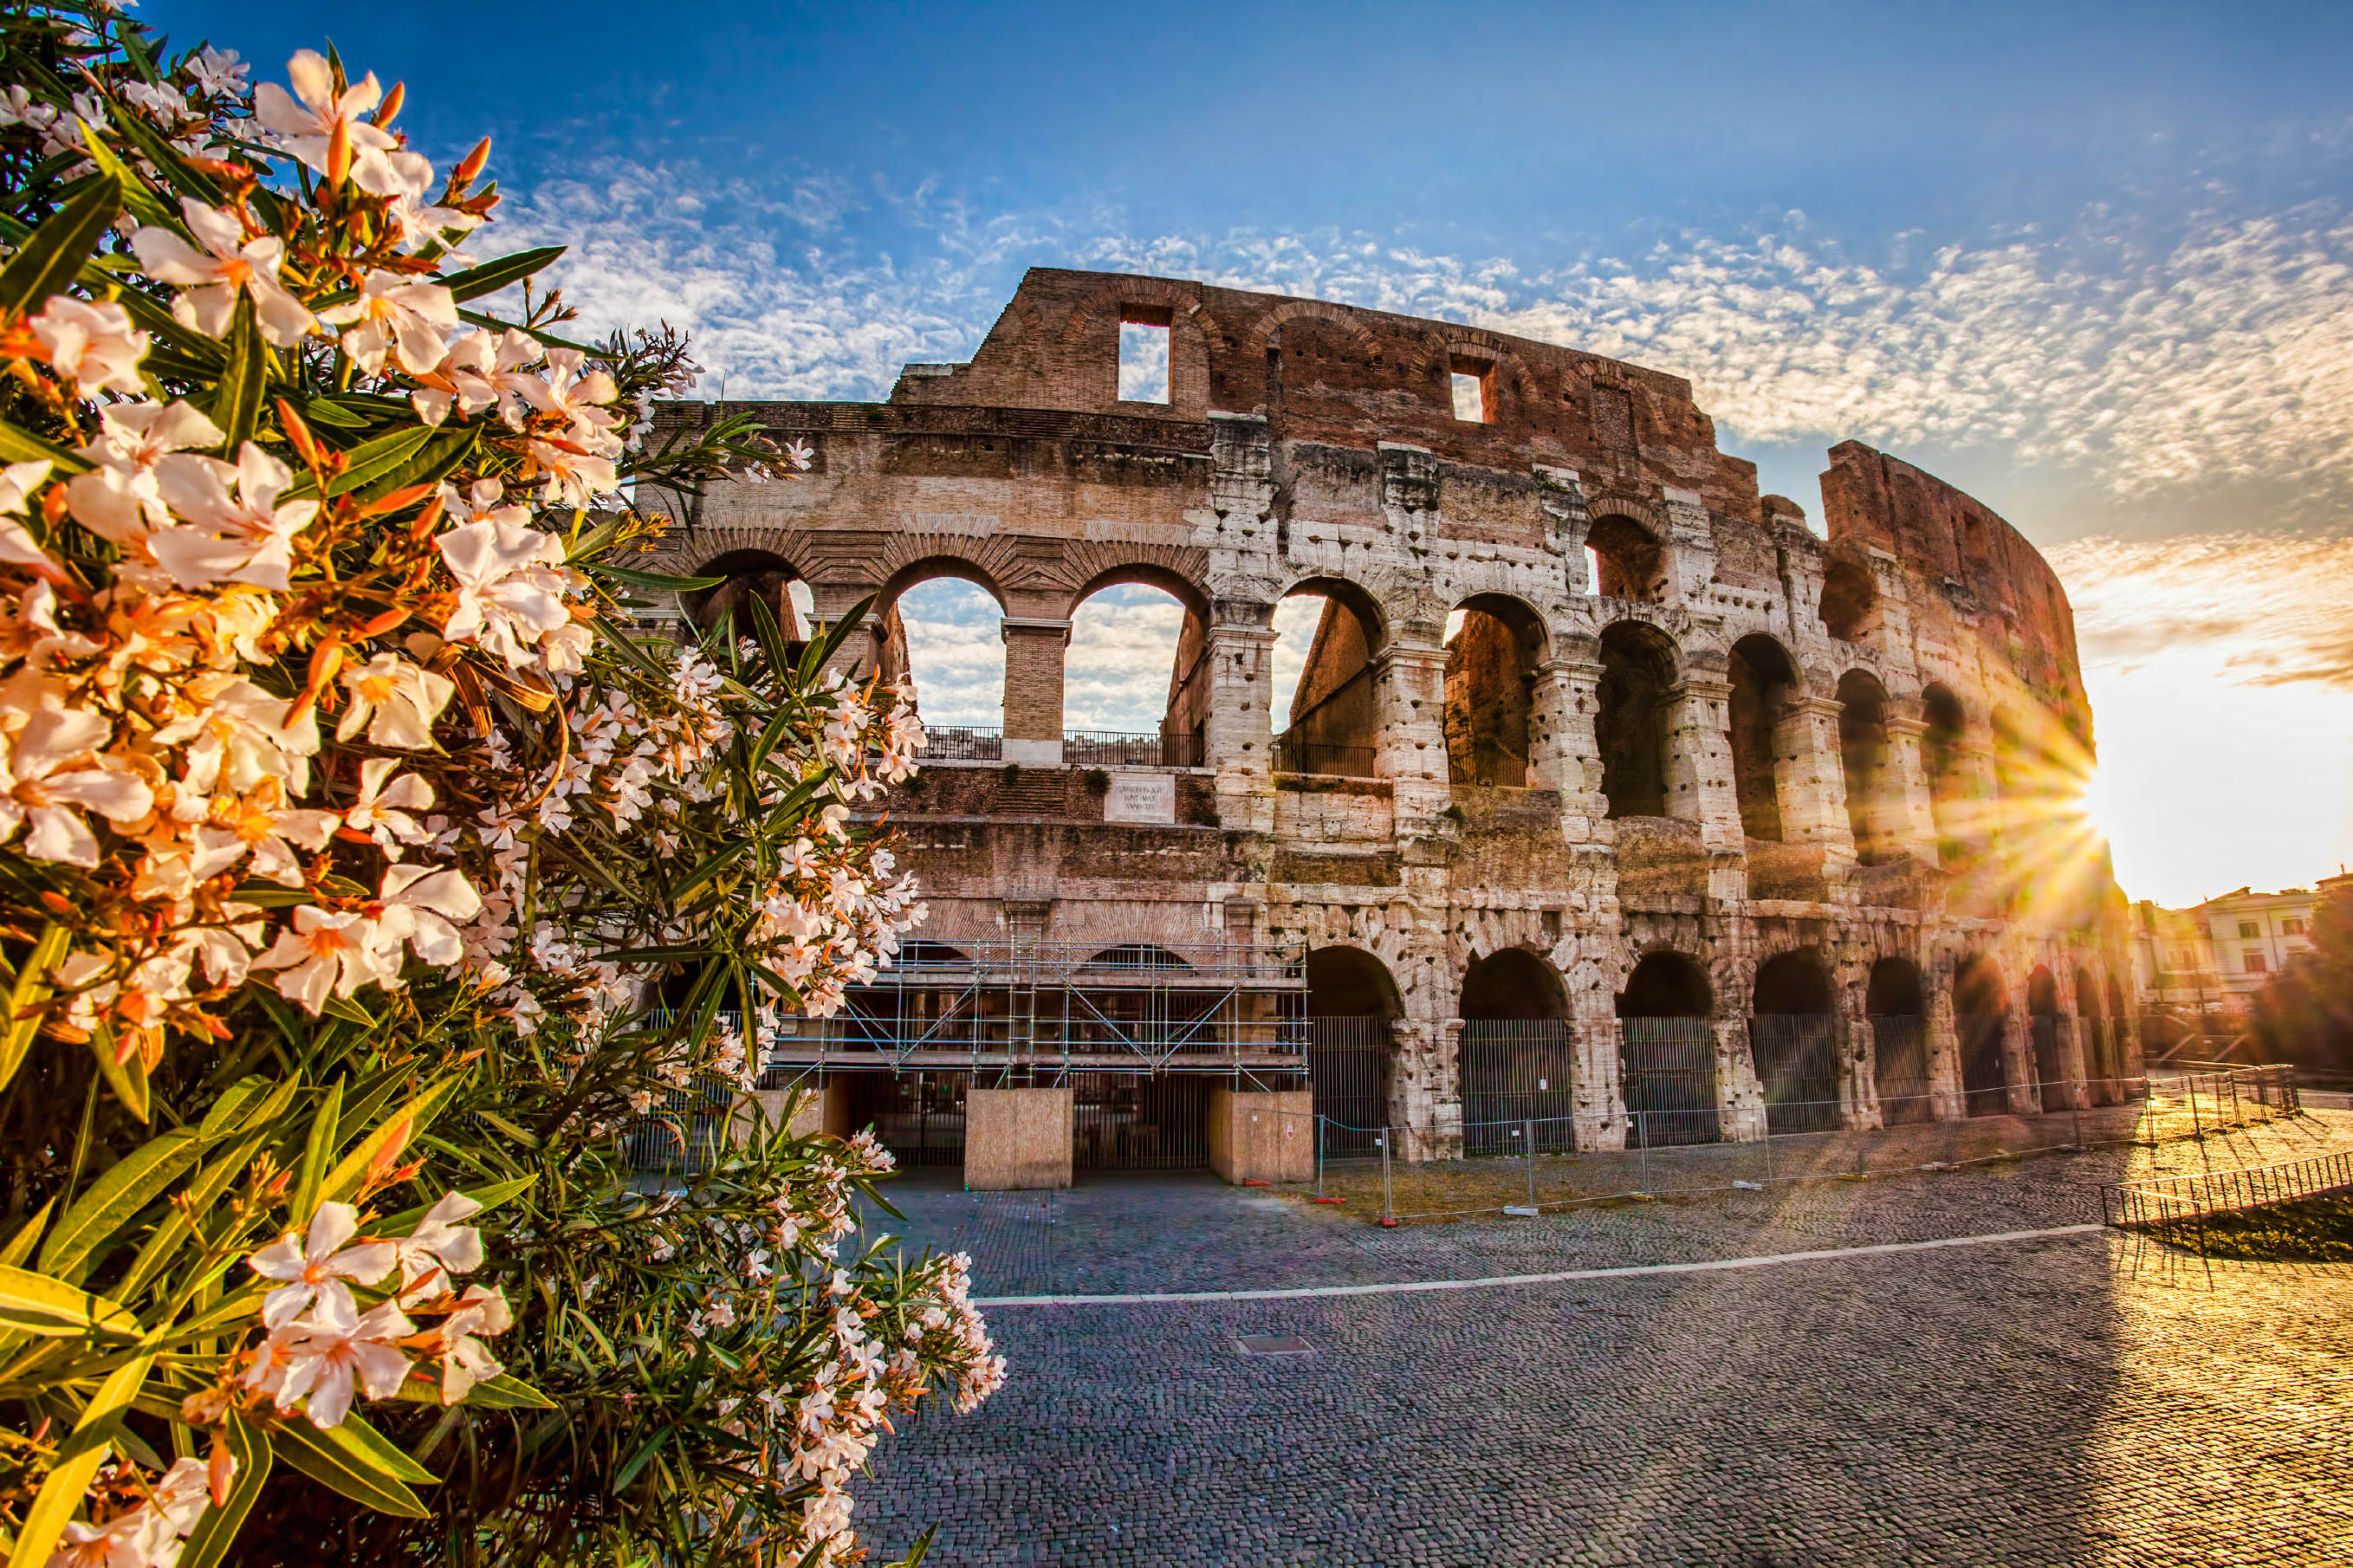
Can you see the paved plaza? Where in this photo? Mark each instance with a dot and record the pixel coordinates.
(2044, 1401)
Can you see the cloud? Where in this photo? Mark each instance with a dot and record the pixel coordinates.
(2264, 610)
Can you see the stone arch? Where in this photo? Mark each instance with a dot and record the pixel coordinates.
(751, 573)
(1894, 1007)
(1763, 677)
(1116, 709)
(1513, 983)
(1490, 671)
(1944, 759)
(1119, 567)
(1863, 756)
(1086, 329)
(2054, 1083)
(1980, 1015)
(1849, 610)
(1640, 664)
(1666, 1051)
(1333, 725)
(1270, 325)
(1353, 1006)
(931, 568)
(1793, 1042)
(1626, 552)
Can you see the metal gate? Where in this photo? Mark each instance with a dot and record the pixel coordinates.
(1797, 1062)
(1348, 1074)
(1983, 1082)
(687, 1133)
(1139, 1121)
(918, 1115)
(1900, 1045)
(1669, 1068)
(2050, 1068)
(1515, 1071)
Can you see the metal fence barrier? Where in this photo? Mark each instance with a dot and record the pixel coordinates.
(1108, 749)
(2152, 1203)
(1331, 762)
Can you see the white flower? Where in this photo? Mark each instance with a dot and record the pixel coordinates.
(307, 122)
(465, 1359)
(315, 1268)
(382, 809)
(243, 735)
(218, 71)
(246, 537)
(53, 774)
(573, 476)
(424, 907)
(396, 701)
(440, 1247)
(121, 499)
(329, 950)
(18, 108)
(254, 825)
(511, 587)
(93, 345)
(399, 314)
(326, 1360)
(229, 264)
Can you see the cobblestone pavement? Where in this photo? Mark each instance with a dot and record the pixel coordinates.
(2029, 1403)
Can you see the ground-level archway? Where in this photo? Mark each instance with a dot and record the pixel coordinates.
(1793, 1040)
(1978, 1004)
(1352, 1005)
(1666, 1052)
(1517, 1060)
(1894, 1003)
(2054, 1086)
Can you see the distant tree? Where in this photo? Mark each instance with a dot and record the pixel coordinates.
(2306, 1013)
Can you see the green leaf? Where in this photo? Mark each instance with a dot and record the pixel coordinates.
(115, 1199)
(35, 1304)
(165, 1242)
(492, 276)
(78, 1459)
(20, 1245)
(436, 459)
(237, 406)
(127, 1078)
(367, 461)
(507, 1391)
(349, 1011)
(322, 411)
(345, 1178)
(335, 1466)
(370, 1447)
(32, 989)
(490, 1197)
(145, 204)
(656, 581)
(51, 258)
(182, 176)
(217, 1528)
(23, 447)
(549, 340)
(317, 1152)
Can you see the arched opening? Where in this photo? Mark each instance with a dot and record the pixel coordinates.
(1322, 709)
(1667, 1052)
(2053, 1085)
(1638, 668)
(1863, 754)
(1135, 956)
(1517, 1060)
(2119, 1037)
(752, 575)
(1944, 761)
(945, 633)
(1895, 1004)
(1792, 1038)
(1850, 607)
(1762, 680)
(1134, 685)
(1978, 1004)
(1625, 560)
(2095, 1031)
(1351, 1002)
(1493, 647)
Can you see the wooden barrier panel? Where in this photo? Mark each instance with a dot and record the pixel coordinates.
(1017, 1139)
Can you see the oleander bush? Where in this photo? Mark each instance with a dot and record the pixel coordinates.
(348, 832)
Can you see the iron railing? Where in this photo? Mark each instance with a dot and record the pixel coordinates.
(1295, 756)
(962, 743)
(1109, 748)
(2173, 1200)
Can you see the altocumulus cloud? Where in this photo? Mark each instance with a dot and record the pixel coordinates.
(2260, 609)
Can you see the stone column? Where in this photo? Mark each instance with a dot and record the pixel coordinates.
(1569, 690)
(1409, 709)
(1599, 1084)
(1699, 763)
(1033, 690)
(1908, 807)
(1425, 1100)
(1739, 1094)
(2017, 1067)
(1551, 727)
(1810, 782)
(2076, 1093)
(1980, 831)
(1239, 731)
(1857, 1057)
(1948, 1095)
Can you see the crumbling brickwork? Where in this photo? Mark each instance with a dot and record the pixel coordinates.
(1738, 741)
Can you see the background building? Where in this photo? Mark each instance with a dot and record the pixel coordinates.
(1611, 797)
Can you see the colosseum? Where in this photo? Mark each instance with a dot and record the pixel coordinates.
(1614, 802)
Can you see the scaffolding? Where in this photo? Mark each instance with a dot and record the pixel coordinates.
(1012, 1012)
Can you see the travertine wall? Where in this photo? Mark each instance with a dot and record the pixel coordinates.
(1312, 446)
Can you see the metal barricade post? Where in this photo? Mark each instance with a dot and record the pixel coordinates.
(1388, 1206)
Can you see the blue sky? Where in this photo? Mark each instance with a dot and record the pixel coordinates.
(2094, 263)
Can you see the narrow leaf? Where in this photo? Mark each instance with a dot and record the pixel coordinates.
(507, 1391)
(32, 989)
(78, 1459)
(492, 276)
(49, 259)
(344, 1180)
(115, 1199)
(316, 1151)
(237, 406)
(20, 1245)
(369, 1447)
(35, 1304)
(332, 1465)
(217, 1528)
(490, 1197)
(434, 462)
(127, 1078)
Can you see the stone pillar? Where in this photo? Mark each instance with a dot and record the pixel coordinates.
(1551, 729)
(1017, 1139)
(2018, 1055)
(1599, 1082)
(1569, 691)
(1980, 829)
(1239, 732)
(1810, 782)
(1947, 1091)
(1425, 1088)
(1699, 763)
(1262, 1137)
(1908, 807)
(1033, 690)
(1409, 709)
(1739, 1095)
(2076, 1093)
(1857, 1057)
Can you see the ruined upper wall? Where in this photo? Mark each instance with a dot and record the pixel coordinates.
(1347, 377)
(1986, 566)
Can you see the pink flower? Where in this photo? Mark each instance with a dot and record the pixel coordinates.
(228, 265)
(511, 587)
(93, 345)
(53, 774)
(314, 1269)
(122, 499)
(244, 538)
(307, 120)
(326, 1361)
(424, 907)
(439, 1246)
(396, 314)
(465, 1359)
(330, 951)
(382, 807)
(397, 701)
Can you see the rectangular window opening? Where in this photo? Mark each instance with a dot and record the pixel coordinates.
(2255, 963)
(1144, 356)
(1470, 379)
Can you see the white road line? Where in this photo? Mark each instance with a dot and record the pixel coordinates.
(1413, 1286)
